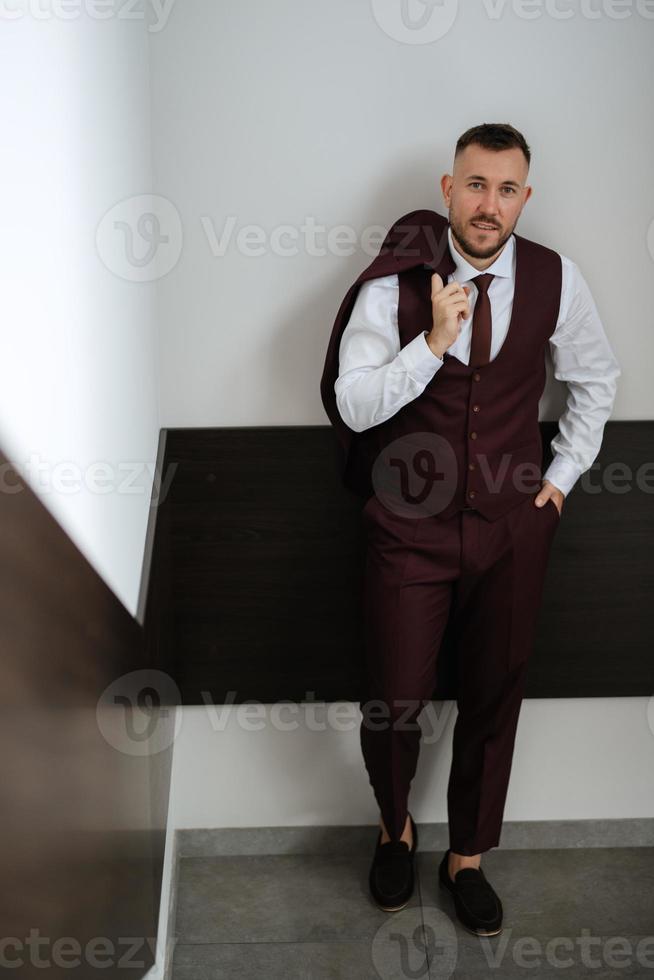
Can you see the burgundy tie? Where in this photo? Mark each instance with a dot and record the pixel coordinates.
(480, 344)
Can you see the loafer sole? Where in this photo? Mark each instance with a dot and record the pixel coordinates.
(392, 908)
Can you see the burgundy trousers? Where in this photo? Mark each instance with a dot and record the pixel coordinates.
(488, 576)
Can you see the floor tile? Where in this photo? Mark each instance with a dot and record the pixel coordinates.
(568, 913)
(300, 961)
(277, 898)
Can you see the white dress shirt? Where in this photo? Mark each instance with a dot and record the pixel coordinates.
(376, 377)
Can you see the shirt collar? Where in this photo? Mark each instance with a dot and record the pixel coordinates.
(504, 264)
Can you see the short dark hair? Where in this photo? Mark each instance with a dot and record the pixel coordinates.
(493, 136)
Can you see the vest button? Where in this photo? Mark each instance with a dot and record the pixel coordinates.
(471, 494)
(477, 376)
(475, 408)
(471, 466)
(473, 435)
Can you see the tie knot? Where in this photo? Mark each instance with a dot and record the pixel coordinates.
(483, 282)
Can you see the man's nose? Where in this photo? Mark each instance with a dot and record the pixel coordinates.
(490, 203)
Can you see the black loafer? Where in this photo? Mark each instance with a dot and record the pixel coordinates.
(391, 877)
(477, 905)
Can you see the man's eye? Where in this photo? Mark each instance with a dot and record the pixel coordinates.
(476, 183)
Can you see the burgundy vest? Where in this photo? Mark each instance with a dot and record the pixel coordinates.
(472, 438)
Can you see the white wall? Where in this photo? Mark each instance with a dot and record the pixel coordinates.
(78, 341)
(270, 114)
(282, 768)
(275, 114)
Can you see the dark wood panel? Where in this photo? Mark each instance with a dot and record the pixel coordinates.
(80, 859)
(267, 555)
(596, 628)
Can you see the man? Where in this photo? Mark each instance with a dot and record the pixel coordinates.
(433, 376)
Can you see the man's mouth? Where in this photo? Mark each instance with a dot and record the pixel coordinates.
(483, 226)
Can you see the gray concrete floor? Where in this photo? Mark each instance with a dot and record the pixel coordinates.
(568, 913)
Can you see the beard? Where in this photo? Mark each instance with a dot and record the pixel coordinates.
(477, 251)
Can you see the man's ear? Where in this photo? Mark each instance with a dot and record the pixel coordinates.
(446, 187)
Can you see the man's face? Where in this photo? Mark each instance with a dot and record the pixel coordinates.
(487, 188)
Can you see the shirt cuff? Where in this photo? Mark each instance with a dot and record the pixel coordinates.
(563, 473)
(419, 359)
